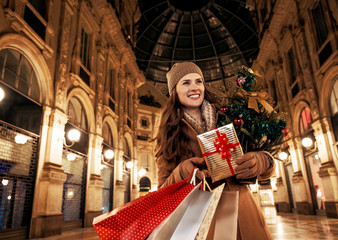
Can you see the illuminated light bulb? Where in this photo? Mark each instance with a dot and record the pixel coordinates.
(2, 94)
(74, 135)
(71, 156)
(307, 142)
(142, 172)
(21, 139)
(109, 154)
(129, 164)
(283, 155)
(4, 182)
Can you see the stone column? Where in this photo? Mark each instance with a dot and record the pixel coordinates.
(119, 187)
(322, 141)
(94, 182)
(47, 216)
(282, 199)
(299, 178)
(328, 170)
(328, 174)
(303, 205)
(134, 183)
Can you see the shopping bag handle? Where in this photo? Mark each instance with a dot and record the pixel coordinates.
(205, 183)
(193, 177)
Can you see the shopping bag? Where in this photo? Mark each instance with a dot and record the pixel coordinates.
(206, 224)
(224, 224)
(192, 215)
(138, 218)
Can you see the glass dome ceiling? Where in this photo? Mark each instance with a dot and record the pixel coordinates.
(218, 35)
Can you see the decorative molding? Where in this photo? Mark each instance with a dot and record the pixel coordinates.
(53, 173)
(20, 25)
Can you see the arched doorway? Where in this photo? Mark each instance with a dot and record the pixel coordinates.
(145, 186)
(20, 121)
(74, 163)
(107, 169)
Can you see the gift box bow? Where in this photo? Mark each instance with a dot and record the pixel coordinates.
(224, 147)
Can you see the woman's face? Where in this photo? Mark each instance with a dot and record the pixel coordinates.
(190, 90)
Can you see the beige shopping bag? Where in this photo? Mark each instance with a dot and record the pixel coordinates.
(224, 223)
(209, 216)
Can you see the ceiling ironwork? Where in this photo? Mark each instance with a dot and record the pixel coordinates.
(218, 35)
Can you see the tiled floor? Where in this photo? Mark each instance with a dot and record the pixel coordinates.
(282, 227)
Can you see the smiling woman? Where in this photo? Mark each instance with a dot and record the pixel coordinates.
(190, 111)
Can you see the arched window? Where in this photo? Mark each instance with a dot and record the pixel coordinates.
(126, 149)
(17, 72)
(77, 114)
(334, 107)
(107, 135)
(305, 121)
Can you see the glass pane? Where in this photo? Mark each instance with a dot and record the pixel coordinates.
(23, 86)
(71, 113)
(12, 62)
(77, 114)
(35, 89)
(333, 104)
(39, 6)
(25, 69)
(2, 61)
(10, 77)
(106, 134)
(83, 120)
(319, 19)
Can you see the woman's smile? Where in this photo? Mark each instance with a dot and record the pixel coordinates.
(190, 90)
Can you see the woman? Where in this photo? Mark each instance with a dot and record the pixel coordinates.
(189, 112)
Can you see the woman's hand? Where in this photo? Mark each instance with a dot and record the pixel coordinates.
(253, 164)
(186, 167)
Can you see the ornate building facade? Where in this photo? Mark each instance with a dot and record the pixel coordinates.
(66, 65)
(298, 60)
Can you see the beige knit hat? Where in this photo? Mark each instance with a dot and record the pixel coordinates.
(179, 70)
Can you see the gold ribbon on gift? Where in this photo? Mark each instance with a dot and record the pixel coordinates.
(260, 96)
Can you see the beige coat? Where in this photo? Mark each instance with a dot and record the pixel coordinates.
(251, 222)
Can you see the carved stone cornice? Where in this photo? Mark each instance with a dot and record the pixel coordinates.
(120, 186)
(53, 173)
(281, 13)
(122, 49)
(20, 25)
(297, 177)
(327, 169)
(96, 181)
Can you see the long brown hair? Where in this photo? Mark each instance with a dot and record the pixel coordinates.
(170, 142)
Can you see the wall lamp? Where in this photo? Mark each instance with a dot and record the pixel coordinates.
(283, 155)
(73, 135)
(108, 154)
(106, 157)
(307, 142)
(129, 164)
(2, 94)
(21, 139)
(142, 172)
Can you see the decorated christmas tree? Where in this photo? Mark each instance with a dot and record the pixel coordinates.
(258, 125)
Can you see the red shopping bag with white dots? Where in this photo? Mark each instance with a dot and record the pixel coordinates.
(138, 218)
